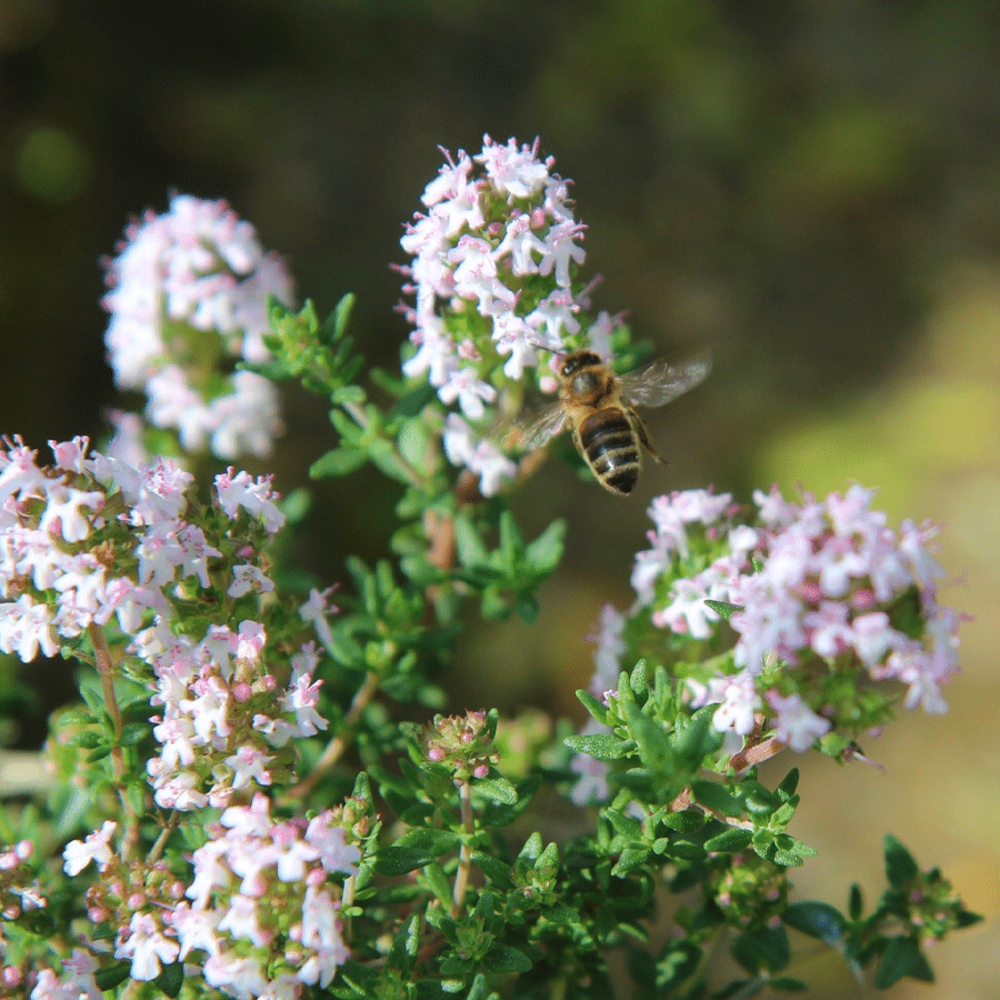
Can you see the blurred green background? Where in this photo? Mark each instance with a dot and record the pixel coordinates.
(811, 190)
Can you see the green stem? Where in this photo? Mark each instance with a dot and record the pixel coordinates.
(465, 852)
(106, 671)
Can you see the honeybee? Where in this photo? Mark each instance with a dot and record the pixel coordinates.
(597, 406)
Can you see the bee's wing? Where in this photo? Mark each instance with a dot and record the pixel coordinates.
(539, 428)
(660, 382)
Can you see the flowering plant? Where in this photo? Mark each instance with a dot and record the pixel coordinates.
(240, 806)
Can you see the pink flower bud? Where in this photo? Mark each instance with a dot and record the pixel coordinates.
(11, 976)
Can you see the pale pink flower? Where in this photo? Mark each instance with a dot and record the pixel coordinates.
(795, 723)
(77, 854)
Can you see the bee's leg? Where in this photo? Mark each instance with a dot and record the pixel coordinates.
(640, 429)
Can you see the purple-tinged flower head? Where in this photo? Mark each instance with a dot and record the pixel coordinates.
(188, 294)
(824, 602)
(492, 278)
(609, 640)
(77, 981)
(265, 901)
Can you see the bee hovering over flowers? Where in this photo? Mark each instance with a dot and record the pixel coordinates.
(597, 406)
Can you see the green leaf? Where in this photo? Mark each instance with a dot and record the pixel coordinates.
(497, 789)
(625, 826)
(695, 741)
(86, 741)
(337, 462)
(600, 746)
(723, 609)
(855, 903)
(715, 797)
(900, 867)
(631, 859)
(405, 945)
(544, 553)
(433, 989)
(766, 950)
(468, 544)
(687, 850)
(638, 680)
(687, 821)
(335, 325)
(679, 959)
(134, 733)
(171, 979)
(345, 394)
(906, 614)
(655, 750)
(400, 860)
(413, 403)
(594, 706)
(788, 784)
(902, 958)
(414, 444)
(818, 920)
(502, 959)
(480, 989)
(112, 976)
(384, 456)
(786, 984)
(498, 872)
(363, 980)
(730, 841)
(435, 842)
(527, 608)
(500, 814)
(532, 848)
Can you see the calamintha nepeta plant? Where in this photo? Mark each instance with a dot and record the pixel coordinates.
(241, 806)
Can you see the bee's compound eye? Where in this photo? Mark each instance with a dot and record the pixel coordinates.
(577, 361)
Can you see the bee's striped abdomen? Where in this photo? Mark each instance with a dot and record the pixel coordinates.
(608, 442)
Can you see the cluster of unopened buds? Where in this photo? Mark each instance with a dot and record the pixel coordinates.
(464, 743)
(18, 887)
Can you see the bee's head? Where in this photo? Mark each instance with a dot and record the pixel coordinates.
(577, 361)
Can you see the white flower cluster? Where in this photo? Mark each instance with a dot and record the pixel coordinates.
(264, 906)
(188, 287)
(492, 278)
(222, 712)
